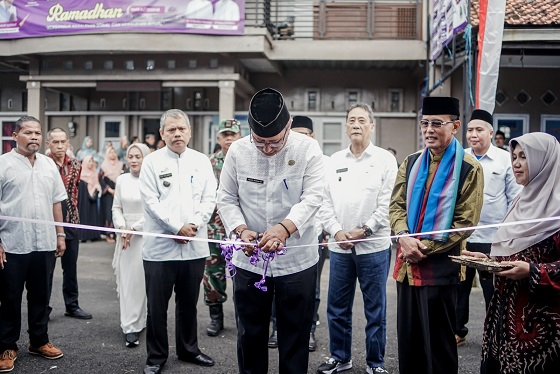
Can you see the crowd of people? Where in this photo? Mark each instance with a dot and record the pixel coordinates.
(274, 190)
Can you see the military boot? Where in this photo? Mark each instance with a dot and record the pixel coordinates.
(216, 320)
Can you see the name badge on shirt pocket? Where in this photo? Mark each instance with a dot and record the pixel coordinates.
(255, 180)
(162, 176)
(342, 170)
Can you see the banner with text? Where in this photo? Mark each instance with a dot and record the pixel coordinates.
(449, 17)
(26, 19)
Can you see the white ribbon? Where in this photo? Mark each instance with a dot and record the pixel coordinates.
(169, 236)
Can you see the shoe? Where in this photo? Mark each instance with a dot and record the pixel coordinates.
(312, 342)
(216, 320)
(78, 313)
(7, 359)
(334, 366)
(460, 340)
(110, 240)
(201, 360)
(371, 370)
(273, 340)
(48, 351)
(152, 369)
(132, 339)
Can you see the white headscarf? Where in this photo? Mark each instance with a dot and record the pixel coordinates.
(540, 198)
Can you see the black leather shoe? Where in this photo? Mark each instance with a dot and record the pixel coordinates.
(312, 342)
(201, 360)
(152, 369)
(273, 340)
(78, 313)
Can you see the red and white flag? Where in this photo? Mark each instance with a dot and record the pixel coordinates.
(490, 34)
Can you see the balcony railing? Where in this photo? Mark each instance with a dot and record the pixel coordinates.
(336, 19)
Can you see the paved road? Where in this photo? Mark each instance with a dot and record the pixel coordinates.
(97, 345)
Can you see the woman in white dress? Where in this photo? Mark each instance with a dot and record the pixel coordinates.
(127, 261)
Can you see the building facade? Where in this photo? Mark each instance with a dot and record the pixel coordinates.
(322, 55)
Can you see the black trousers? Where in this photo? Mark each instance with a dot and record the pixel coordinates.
(486, 282)
(69, 264)
(162, 277)
(295, 298)
(425, 329)
(34, 272)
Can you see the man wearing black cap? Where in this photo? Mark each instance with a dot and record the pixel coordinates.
(304, 125)
(271, 186)
(500, 189)
(439, 188)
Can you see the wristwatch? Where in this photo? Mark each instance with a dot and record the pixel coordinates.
(367, 231)
(404, 232)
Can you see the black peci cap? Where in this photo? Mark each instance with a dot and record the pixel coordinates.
(434, 105)
(482, 115)
(268, 114)
(302, 121)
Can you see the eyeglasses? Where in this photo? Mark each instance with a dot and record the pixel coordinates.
(277, 144)
(436, 124)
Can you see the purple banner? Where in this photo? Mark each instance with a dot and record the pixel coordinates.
(27, 19)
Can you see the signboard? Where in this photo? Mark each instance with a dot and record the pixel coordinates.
(25, 19)
(449, 17)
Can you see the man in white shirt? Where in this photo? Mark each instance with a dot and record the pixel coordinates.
(226, 10)
(199, 14)
(30, 187)
(8, 12)
(499, 191)
(178, 190)
(359, 182)
(272, 184)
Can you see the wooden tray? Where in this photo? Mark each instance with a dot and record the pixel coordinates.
(486, 264)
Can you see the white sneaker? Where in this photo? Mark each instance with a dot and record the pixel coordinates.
(376, 370)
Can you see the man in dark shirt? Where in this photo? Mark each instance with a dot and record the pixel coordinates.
(70, 169)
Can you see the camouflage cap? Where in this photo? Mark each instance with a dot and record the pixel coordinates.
(231, 125)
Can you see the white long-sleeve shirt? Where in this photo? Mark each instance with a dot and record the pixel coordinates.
(260, 191)
(176, 190)
(357, 193)
(500, 189)
(28, 191)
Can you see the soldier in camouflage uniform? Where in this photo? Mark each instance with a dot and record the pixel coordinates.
(214, 272)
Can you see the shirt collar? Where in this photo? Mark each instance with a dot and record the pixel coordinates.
(370, 150)
(490, 153)
(172, 154)
(65, 162)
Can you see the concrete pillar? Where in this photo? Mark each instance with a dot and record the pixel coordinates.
(36, 102)
(227, 99)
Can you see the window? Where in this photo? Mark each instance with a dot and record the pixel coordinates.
(312, 100)
(129, 65)
(512, 125)
(46, 65)
(551, 125)
(88, 65)
(6, 141)
(108, 65)
(353, 97)
(396, 100)
(171, 64)
(332, 137)
(192, 64)
(213, 63)
(150, 65)
(68, 65)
